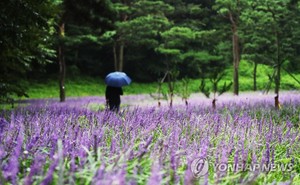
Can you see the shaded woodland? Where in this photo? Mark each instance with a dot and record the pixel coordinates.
(146, 39)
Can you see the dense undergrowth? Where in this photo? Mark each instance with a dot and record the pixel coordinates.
(67, 143)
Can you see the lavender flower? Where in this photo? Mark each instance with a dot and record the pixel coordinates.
(156, 176)
(3, 124)
(127, 142)
(12, 168)
(49, 176)
(34, 169)
(236, 160)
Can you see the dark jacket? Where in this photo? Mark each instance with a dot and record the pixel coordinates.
(112, 94)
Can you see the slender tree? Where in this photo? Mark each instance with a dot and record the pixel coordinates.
(231, 10)
(173, 48)
(215, 77)
(61, 61)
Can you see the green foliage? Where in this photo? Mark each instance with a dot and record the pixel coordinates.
(175, 41)
(192, 37)
(184, 91)
(269, 36)
(215, 89)
(177, 36)
(86, 22)
(204, 89)
(158, 8)
(167, 51)
(200, 63)
(78, 35)
(201, 56)
(26, 34)
(87, 86)
(160, 94)
(143, 31)
(226, 6)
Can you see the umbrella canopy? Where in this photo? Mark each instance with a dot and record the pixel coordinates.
(117, 79)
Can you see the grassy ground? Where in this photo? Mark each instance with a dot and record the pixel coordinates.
(88, 86)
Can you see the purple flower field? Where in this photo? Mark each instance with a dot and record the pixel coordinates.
(244, 141)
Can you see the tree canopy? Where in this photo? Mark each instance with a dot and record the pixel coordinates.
(143, 37)
(27, 36)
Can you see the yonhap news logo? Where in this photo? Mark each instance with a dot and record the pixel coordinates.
(201, 166)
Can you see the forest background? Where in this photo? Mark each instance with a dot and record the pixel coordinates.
(66, 48)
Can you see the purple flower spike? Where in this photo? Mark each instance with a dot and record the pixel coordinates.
(236, 160)
(34, 169)
(49, 176)
(156, 176)
(3, 124)
(12, 168)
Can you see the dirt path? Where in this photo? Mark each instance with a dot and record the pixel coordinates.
(199, 98)
(145, 100)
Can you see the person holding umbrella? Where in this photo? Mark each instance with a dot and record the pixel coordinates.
(114, 82)
(113, 99)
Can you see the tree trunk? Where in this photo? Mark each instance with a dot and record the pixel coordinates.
(214, 103)
(236, 54)
(254, 76)
(121, 57)
(115, 57)
(277, 77)
(278, 66)
(120, 44)
(118, 50)
(171, 100)
(277, 106)
(62, 64)
(171, 89)
(169, 81)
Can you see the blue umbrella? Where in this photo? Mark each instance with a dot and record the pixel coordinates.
(117, 79)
